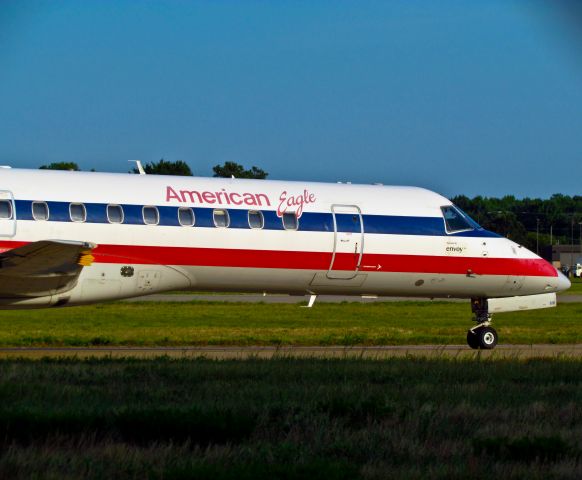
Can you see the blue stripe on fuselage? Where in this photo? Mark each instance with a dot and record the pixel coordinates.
(309, 221)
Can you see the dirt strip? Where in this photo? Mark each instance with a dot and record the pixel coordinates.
(234, 352)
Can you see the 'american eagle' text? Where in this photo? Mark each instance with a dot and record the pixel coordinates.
(221, 197)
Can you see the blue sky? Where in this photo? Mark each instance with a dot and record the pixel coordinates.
(457, 96)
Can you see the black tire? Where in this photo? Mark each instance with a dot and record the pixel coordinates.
(487, 338)
(472, 340)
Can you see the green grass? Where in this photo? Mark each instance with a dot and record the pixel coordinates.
(201, 323)
(336, 419)
(575, 289)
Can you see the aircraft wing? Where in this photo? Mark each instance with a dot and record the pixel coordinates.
(43, 268)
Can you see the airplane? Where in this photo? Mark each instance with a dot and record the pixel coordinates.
(73, 238)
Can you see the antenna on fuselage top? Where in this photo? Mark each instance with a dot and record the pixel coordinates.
(139, 166)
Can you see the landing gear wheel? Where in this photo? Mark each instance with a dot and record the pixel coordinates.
(488, 338)
(484, 338)
(473, 340)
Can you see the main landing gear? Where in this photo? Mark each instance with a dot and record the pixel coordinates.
(483, 335)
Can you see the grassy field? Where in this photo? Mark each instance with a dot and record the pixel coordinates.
(283, 418)
(575, 289)
(199, 323)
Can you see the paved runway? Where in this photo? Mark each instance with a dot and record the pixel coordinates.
(257, 298)
(227, 352)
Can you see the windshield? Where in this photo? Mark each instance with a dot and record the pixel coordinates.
(457, 221)
(472, 222)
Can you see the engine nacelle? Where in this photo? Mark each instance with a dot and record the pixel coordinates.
(526, 302)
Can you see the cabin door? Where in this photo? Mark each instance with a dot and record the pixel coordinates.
(348, 244)
(7, 214)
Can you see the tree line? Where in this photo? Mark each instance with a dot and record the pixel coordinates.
(532, 222)
(179, 167)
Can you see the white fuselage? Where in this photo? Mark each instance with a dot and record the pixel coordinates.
(351, 239)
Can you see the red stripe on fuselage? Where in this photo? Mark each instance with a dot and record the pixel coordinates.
(297, 260)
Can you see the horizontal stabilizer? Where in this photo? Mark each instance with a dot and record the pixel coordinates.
(43, 268)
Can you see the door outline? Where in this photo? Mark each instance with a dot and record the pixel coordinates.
(343, 274)
(8, 195)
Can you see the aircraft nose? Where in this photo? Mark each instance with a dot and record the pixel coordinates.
(563, 282)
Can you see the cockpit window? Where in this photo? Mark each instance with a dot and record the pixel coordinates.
(472, 222)
(455, 220)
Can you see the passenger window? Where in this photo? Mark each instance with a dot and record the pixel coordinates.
(290, 221)
(5, 209)
(186, 216)
(151, 216)
(221, 218)
(256, 219)
(77, 212)
(115, 214)
(455, 221)
(40, 211)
